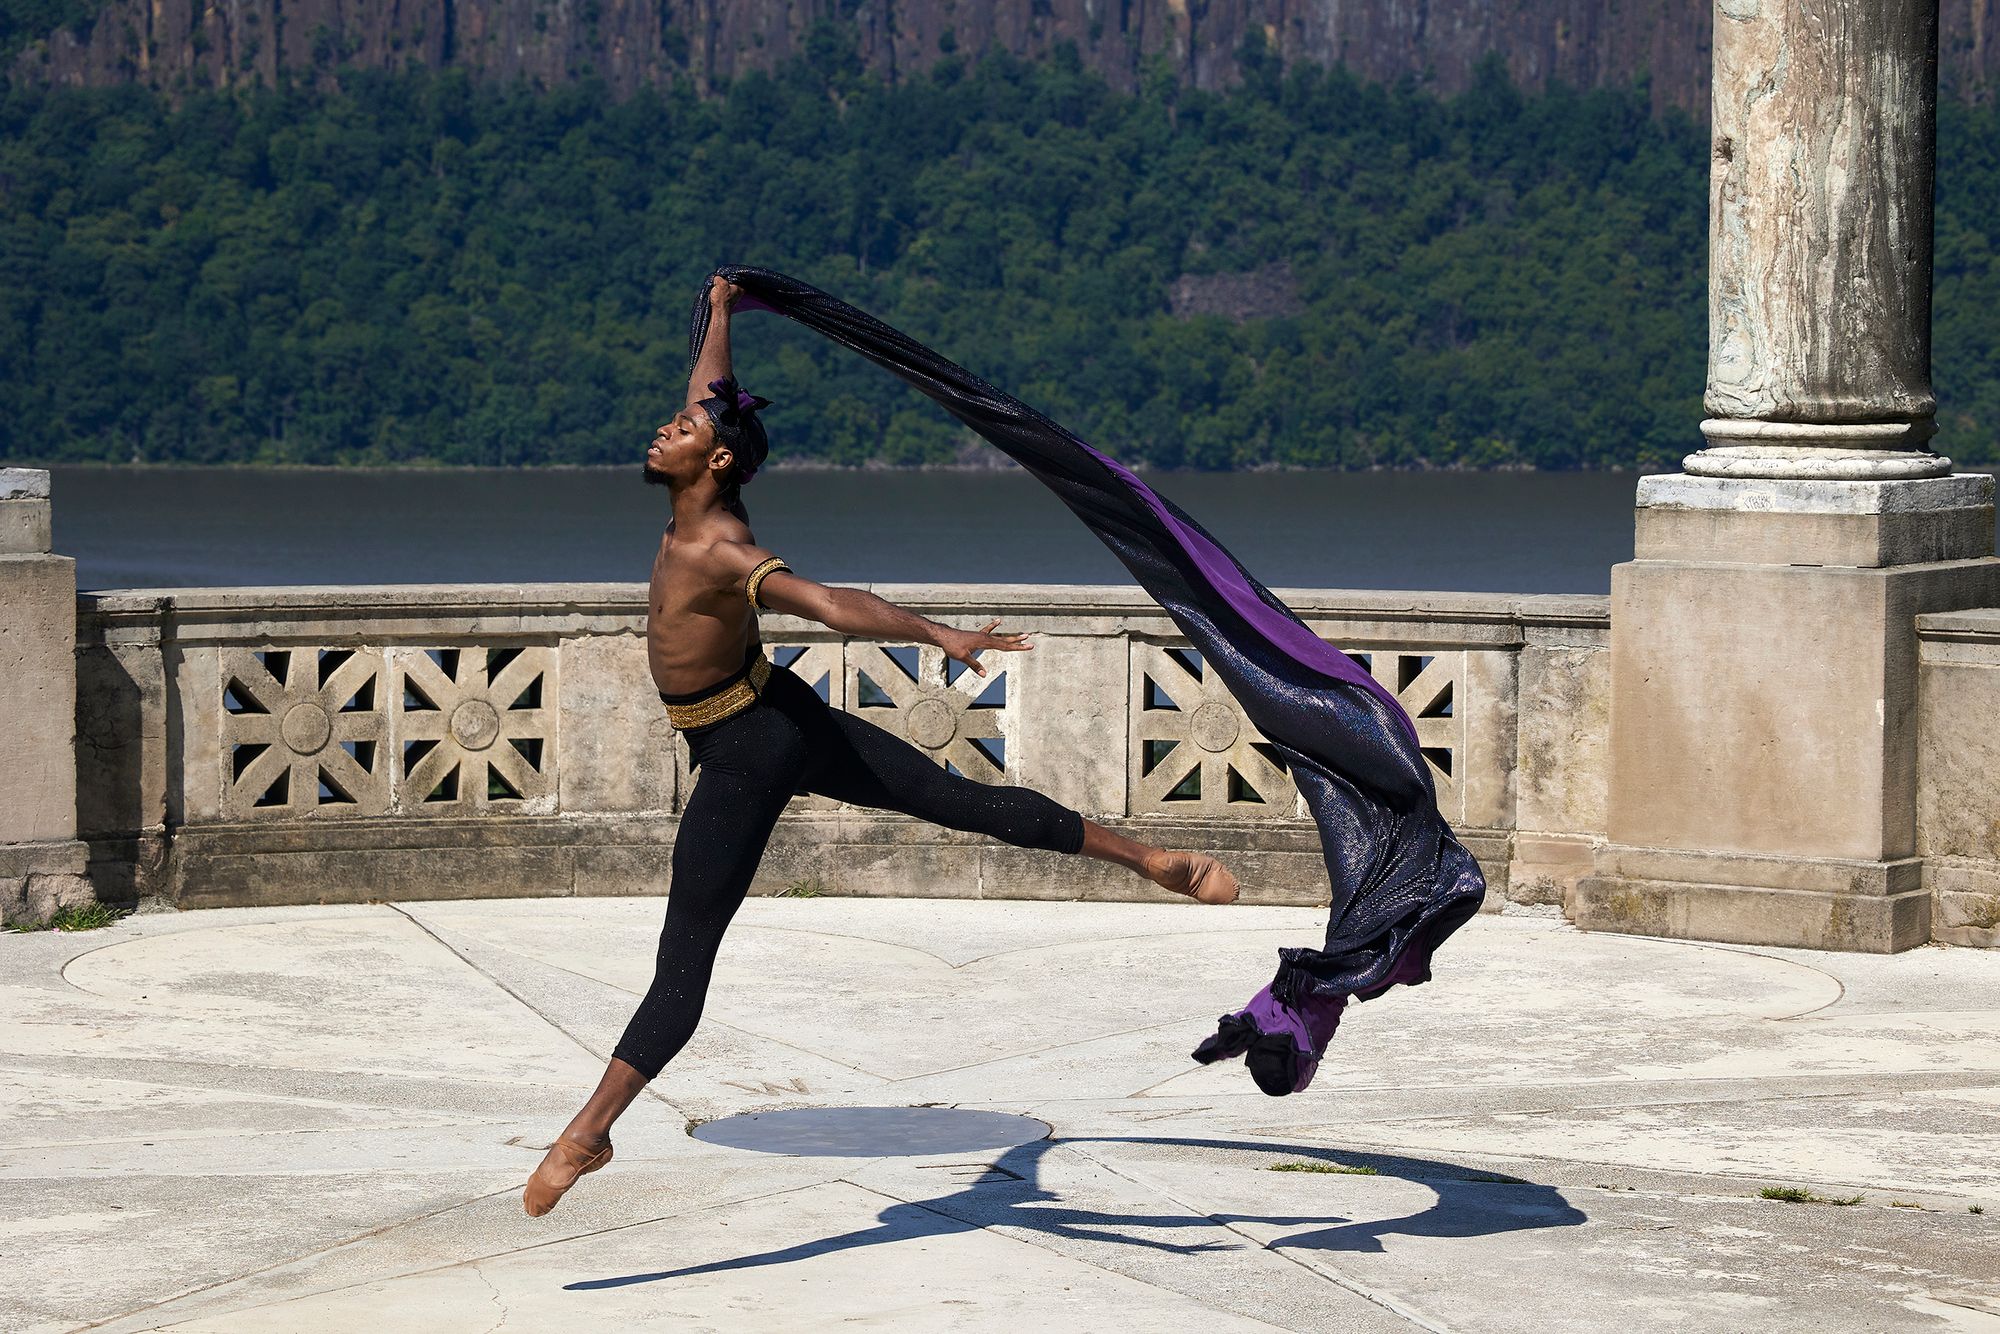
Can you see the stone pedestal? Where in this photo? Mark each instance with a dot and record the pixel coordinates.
(1763, 770)
(41, 860)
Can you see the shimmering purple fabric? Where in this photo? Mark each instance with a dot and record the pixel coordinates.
(1399, 879)
(1281, 1044)
(1221, 571)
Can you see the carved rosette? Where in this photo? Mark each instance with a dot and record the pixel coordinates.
(304, 733)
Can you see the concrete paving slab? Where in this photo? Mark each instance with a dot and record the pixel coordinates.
(1455, 1253)
(320, 1118)
(689, 1273)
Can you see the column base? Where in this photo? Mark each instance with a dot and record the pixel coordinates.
(1874, 907)
(1817, 451)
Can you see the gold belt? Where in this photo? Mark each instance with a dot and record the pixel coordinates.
(737, 696)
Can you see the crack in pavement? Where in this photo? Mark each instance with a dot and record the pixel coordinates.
(627, 991)
(437, 1268)
(302, 1256)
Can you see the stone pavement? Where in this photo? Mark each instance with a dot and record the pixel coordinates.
(308, 1119)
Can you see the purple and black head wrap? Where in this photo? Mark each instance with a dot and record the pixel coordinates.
(733, 412)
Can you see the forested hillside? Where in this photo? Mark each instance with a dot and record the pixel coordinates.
(1303, 269)
(189, 44)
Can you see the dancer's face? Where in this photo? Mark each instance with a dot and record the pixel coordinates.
(682, 448)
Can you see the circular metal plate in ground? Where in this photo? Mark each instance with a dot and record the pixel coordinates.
(872, 1132)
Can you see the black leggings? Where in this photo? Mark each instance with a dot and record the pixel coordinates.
(751, 763)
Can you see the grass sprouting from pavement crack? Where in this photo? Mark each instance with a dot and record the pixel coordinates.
(1800, 1195)
(810, 888)
(1335, 1169)
(83, 917)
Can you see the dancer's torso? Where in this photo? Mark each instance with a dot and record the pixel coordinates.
(697, 630)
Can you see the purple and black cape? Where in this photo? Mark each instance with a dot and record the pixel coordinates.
(1400, 881)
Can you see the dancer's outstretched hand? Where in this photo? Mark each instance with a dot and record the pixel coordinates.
(963, 645)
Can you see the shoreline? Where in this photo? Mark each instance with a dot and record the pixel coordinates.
(771, 466)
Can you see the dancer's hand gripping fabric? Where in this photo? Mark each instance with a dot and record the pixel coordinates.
(1281, 1045)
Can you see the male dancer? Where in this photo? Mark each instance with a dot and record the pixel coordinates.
(759, 735)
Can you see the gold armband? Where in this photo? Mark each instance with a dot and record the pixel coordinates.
(757, 577)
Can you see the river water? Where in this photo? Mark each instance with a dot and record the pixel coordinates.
(1516, 532)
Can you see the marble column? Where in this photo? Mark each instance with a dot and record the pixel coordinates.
(1819, 231)
(1764, 725)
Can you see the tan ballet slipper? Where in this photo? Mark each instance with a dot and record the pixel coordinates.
(1200, 877)
(565, 1162)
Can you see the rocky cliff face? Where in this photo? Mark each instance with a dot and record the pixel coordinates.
(211, 43)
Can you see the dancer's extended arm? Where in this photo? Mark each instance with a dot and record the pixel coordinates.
(713, 364)
(852, 611)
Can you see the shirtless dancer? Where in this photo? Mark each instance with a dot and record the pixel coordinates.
(759, 735)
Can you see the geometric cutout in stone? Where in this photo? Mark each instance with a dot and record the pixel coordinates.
(988, 698)
(1240, 790)
(279, 792)
(870, 695)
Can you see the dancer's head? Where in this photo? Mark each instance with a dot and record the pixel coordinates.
(720, 436)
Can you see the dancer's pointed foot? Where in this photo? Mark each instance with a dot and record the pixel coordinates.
(1195, 874)
(566, 1160)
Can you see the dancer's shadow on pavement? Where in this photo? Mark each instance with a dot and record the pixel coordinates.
(1467, 1203)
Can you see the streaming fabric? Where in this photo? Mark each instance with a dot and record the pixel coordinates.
(1400, 881)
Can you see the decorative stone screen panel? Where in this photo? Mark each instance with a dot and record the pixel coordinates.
(475, 729)
(312, 732)
(956, 716)
(304, 733)
(1191, 748)
(1431, 688)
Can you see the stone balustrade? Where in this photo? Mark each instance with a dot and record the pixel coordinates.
(1958, 773)
(287, 745)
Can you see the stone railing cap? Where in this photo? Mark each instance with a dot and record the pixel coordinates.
(1980, 621)
(24, 484)
(1315, 603)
